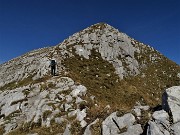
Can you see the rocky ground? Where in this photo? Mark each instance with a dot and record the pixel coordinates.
(106, 84)
(64, 104)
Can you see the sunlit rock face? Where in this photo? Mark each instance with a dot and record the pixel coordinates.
(171, 102)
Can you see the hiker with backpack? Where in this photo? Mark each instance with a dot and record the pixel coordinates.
(53, 67)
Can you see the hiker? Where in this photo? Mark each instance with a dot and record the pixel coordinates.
(53, 67)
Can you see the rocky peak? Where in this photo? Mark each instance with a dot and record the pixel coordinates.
(113, 46)
(104, 77)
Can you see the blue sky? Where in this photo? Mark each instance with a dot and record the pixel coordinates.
(26, 25)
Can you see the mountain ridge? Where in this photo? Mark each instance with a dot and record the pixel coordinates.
(128, 56)
(99, 71)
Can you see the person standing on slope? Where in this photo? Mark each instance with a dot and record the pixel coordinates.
(53, 67)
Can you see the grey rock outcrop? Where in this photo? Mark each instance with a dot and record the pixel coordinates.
(33, 65)
(171, 102)
(110, 43)
(33, 104)
(114, 125)
(161, 123)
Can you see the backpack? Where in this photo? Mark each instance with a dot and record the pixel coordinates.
(53, 62)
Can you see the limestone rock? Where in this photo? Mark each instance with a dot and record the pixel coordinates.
(171, 102)
(32, 104)
(133, 130)
(154, 129)
(79, 90)
(10, 101)
(113, 125)
(160, 124)
(161, 117)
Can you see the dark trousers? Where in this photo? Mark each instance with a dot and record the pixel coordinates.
(53, 70)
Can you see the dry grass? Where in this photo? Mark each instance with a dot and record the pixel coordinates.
(100, 79)
(96, 129)
(54, 129)
(121, 94)
(2, 130)
(24, 82)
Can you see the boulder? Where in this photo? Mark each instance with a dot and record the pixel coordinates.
(161, 117)
(133, 130)
(80, 90)
(114, 125)
(171, 102)
(160, 124)
(10, 101)
(155, 129)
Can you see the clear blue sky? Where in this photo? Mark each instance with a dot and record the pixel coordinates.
(30, 24)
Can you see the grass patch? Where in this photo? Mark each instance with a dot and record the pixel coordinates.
(76, 128)
(24, 82)
(96, 129)
(2, 131)
(54, 129)
(101, 81)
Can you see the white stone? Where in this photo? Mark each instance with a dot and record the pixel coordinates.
(153, 129)
(137, 111)
(83, 123)
(160, 124)
(79, 91)
(79, 100)
(81, 114)
(68, 98)
(161, 117)
(59, 120)
(133, 130)
(109, 126)
(178, 75)
(72, 113)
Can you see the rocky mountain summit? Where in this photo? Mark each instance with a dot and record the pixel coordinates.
(106, 83)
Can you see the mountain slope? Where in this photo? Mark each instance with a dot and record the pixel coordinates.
(104, 65)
